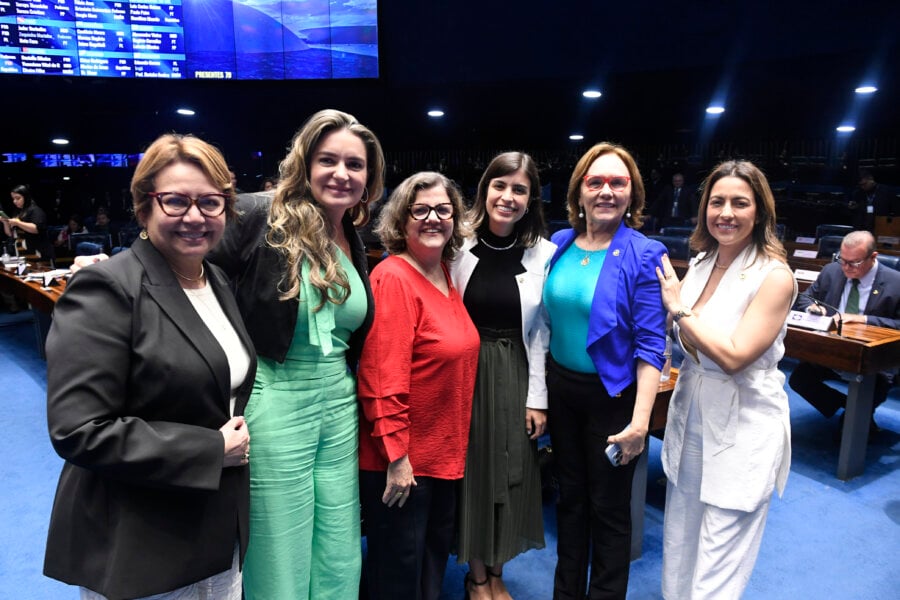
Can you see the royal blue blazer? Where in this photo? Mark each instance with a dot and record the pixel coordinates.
(628, 321)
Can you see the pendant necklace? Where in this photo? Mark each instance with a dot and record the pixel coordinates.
(587, 257)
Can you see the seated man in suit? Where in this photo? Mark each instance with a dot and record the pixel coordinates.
(675, 205)
(865, 292)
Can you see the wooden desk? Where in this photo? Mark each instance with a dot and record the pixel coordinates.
(863, 350)
(41, 301)
(639, 483)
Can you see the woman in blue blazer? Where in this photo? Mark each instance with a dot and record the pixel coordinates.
(607, 338)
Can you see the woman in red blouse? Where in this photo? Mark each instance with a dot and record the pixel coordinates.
(416, 378)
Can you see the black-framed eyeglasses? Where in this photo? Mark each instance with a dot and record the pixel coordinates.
(177, 205)
(617, 183)
(420, 212)
(850, 263)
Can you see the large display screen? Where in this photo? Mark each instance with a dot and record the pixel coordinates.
(191, 39)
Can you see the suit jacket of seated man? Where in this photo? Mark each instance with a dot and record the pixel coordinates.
(883, 306)
(882, 309)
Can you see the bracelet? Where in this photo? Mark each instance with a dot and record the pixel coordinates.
(682, 312)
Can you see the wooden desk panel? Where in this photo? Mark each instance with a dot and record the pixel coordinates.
(41, 300)
(30, 291)
(863, 350)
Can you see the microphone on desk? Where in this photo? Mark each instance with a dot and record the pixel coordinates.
(839, 320)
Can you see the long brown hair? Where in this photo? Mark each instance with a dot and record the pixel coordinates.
(298, 226)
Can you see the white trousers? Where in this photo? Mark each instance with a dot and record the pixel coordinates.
(708, 552)
(226, 585)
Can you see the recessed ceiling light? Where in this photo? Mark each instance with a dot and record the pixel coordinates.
(866, 89)
(66, 178)
(60, 141)
(575, 137)
(846, 128)
(435, 113)
(715, 110)
(591, 94)
(186, 112)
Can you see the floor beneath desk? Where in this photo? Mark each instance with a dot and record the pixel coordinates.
(825, 539)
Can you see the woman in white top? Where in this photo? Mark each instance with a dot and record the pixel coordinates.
(727, 442)
(500, 273)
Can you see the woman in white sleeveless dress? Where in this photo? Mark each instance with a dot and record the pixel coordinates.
(727, 443)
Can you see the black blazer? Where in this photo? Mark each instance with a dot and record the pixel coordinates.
(137, 388)
(883, 306)
(255, 269)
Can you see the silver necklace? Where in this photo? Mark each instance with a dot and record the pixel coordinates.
(513, 243)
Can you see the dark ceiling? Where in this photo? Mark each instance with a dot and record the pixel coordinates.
(510, 74)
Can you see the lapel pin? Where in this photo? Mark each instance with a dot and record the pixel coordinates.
(616, 252)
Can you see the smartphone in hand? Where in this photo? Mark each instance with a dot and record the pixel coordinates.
(614, 454)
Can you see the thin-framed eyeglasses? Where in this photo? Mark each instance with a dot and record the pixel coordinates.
(617, 183)
(851, 263)
(175, 204)
(420, 212)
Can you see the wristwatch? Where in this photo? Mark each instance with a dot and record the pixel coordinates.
(682, 312)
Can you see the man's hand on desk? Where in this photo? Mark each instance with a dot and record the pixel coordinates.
(849, 318)
(815, 309)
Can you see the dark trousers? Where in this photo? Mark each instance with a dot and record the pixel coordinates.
(408, 547)
(594, 509)
(808, 381)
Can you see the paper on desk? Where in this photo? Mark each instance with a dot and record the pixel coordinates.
(799, 253)
(805, 274)
(805, 240)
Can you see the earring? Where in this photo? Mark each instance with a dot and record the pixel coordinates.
(580, 212)
(144, 235)
(628, 214)
(365, 196)
(526, 210)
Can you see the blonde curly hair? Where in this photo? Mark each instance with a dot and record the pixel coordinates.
(298, 225)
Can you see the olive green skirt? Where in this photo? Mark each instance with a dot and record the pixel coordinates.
(500, 497)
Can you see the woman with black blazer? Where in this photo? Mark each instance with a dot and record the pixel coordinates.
(148, 371)
(302, 286)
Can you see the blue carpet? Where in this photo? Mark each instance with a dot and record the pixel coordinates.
(825, 539)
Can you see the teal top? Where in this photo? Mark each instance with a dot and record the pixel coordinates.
(568, 296)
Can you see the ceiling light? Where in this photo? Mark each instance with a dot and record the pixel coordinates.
(60, 141)
(186, 112)
(436, 113)
(591, 94)
(715, 109)
(576, 137)
(866, 89)
(66, 178)
(846, 128)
